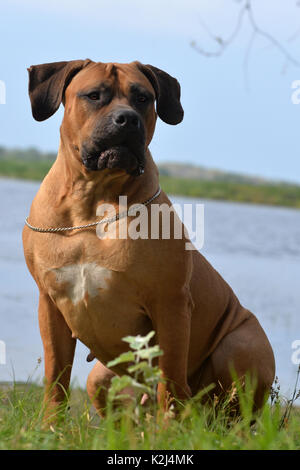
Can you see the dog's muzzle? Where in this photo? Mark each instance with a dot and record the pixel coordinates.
(118, 142)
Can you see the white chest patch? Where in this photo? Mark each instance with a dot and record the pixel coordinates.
(83, 279)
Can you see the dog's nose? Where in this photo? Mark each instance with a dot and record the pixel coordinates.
(127, 118)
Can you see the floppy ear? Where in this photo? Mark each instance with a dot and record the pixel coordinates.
(167, 90)
(47, 83)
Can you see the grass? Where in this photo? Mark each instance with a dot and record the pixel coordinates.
(279, 194)
(196, 426)
(24, 169)
(130, 426)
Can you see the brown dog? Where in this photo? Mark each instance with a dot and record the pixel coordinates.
(100, 290)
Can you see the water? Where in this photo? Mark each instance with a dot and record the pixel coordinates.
(255, 248)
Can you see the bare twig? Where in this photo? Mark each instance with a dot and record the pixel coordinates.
(269, 37)
(246, 11)
(286, 416)
(222, 43)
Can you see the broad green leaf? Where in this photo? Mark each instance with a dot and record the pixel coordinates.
(137, 342)
(142, 365)
(124, 357)
(149, 353)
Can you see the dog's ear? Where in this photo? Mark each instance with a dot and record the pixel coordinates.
(47, 83)
(167, 90)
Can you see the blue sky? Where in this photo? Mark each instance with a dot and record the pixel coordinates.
(248, 127)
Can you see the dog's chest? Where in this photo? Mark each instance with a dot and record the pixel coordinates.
(82, 281)
(100, 305)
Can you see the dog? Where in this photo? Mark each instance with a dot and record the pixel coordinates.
(100, 290)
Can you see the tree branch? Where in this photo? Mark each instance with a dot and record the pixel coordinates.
(246, 11)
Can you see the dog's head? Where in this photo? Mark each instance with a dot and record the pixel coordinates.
(110, 114)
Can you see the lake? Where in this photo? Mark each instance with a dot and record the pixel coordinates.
(255, 248)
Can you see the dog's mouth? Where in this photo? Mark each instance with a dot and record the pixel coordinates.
(116, 157)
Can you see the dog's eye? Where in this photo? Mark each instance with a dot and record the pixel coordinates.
(94, 96)
(142, 98)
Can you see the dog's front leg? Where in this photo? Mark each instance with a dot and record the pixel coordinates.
(59, 348)
(172, 322)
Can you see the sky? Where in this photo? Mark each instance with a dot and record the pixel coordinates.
(239, 115)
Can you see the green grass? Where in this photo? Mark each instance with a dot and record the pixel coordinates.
(130, 426)
(24, 169)
(196, 426)
(279, 194)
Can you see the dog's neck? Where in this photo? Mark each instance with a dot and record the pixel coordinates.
(78, 192)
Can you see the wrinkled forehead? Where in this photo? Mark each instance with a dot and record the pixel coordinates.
(118, 76)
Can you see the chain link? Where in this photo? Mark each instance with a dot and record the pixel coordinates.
(107, 220)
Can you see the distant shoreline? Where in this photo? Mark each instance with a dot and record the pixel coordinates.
(280, 194)
(222, 189)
